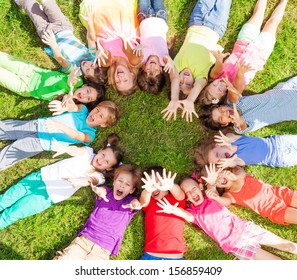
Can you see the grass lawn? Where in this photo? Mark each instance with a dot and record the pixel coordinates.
(146, 138)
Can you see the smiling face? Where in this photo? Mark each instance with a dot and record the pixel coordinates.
(222, 115)
(224, 179)
(193, 191)
(85, 94)
(217, 89)
(219, 152)
(186, 81)
(152, 66)
(123, 185)
(104, 160)
(123, 78)
(88, 68)
(99, 116)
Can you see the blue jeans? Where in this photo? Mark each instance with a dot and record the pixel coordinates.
(151, 8)
(211, 13)
(149, 257)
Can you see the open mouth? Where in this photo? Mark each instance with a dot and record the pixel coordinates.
(155, 194)
(227, 155)
(119, 193)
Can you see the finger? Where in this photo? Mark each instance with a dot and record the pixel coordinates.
(173, 177)
(159, 177)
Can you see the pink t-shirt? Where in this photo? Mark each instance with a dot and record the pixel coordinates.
(153, 32)
(243, 52)
(218, 222)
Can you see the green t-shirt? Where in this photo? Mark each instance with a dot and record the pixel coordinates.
(46, 84)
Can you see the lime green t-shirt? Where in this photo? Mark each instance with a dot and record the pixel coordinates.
(46, 84)
(194, 53)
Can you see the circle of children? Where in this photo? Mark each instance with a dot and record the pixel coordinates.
(127, 49)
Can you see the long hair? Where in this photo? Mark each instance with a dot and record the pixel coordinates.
(113, 109)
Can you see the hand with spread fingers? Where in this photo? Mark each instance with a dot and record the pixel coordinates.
(133, 205)
(166, 182)
(150, 183)
(212, 174)
(228, 162)
(166, 206)
(171, 110)
(222, 140)
(101, 192)
(188, 110)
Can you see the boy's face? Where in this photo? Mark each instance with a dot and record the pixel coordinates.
(104, 160)
(85, 94)
(186, 81)
(222, 115)
(225, 179)
(193, 191)
(152, 67)
(219, 152)
(123, 185)
(158, 194)
(98, 117)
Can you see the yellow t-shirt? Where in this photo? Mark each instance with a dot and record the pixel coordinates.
(194, 54)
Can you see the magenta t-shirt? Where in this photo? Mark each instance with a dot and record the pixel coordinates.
(107, 223)
(218, 222)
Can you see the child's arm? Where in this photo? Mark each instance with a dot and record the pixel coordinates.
(174, 104)
(150, 185)
(58, 107)
(134, 59)
(238, 120)
(70, 150)
(173, 209)
(226, 140)
(52, 126)
(91, 36)
(101, 192)
(189, 102)
(230, 162)
(133, 205)
(96, 178)
(218, 67)
(239, 78)
(223, 200)
(50, 40)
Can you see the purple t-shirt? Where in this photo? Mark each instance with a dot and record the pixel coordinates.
(107, 223)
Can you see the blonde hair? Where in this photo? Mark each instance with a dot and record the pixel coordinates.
(113, 109)
(111, 72)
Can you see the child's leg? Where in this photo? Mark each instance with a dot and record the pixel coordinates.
(291, 213)
(274, 241)
(37, 16)
(24, 199)
(211, 13)
(275, 18)
(144, 10)
(264, 255)
(58, 21)
(258, 13)
(28, 144)
(159, 8)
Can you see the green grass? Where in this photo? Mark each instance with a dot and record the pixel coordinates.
(146, 138)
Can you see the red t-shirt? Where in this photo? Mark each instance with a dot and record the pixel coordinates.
(164, 233)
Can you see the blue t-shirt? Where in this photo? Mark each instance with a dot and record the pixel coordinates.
(74, 120)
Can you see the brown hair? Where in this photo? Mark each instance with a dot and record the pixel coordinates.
(151, 84)
(114, 111)
(135, 173)
(111, 72)
(201, 151)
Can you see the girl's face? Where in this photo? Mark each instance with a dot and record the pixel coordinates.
(104, 160)
(85, 94)
(222, 115)
(219, 152)
(123, 78)
(193, 191)
(217, 89)
(123, 185)
(224, 179)
(98, 117)
(88, 68)
(186, 81)
(152, 66)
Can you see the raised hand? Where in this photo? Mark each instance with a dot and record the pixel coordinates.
(219, 56)
(138, 50)
(166, 182)
(133, 205)
(222, 140)
(188, 110)
(150, 183)
(212, 194)
(128, 40)
(73, 77)
(237, 120)
(58, 148)
(212, 174)
(57, 108)
(101, 192)
(228, 162)
(101, 54)
(166, 206)
(171, 109)
(49, 38)
(169, 66)
(244, 68)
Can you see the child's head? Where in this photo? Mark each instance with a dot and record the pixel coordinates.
(109, 156)
(193, 190)
(92, 72)
(186, 81)
(151, 83)
(105, 114)
(216, 117)
(126, 181)
(122, 76)
(157, 194)
(90, 94)
(214, 93)
(208, 151)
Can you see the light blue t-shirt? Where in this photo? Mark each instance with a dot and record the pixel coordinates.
(74, 120)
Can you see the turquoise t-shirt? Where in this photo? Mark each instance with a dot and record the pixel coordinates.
(74, 120)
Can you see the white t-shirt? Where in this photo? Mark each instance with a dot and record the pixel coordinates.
(60, 189)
